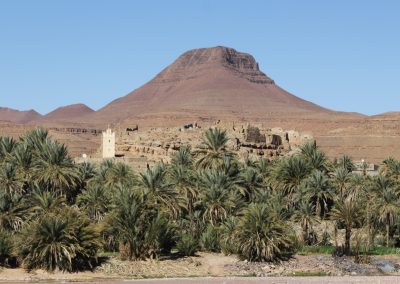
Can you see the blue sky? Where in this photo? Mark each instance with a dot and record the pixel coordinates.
(341, 54)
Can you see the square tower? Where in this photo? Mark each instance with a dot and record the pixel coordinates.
(108, 144)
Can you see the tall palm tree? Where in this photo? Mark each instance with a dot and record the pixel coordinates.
(387, 205)
(182, 179)
(319, 192)
(341, 179)
(212, 150)
(250, 182)
(348, 212)
(183, 157)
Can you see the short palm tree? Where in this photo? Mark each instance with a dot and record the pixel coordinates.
(95, 201)
(261, 236)
(58, 242)
(305, 215)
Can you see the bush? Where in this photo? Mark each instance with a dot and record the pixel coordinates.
(6, 248)
(64, 241)
(262, 236)
(187, 245)
(209, 240)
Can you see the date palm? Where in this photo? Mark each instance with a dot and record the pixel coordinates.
(156, 190)
(261, 236)
(10, 181)
(120, 174)
(305, 215)
(54, 169)
(212, 150)
(216, 191)
(289, 173)
(95, 201)
(319, 192)
(387, 203)
(348, 212)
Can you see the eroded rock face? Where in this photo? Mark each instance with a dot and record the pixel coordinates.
(201, 59)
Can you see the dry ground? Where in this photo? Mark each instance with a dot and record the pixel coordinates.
(213, 265)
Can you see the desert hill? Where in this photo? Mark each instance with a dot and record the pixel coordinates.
(12, 115)
(64, 114)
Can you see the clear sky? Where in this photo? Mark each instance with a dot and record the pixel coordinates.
(341, 54)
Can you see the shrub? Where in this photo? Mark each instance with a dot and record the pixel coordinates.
(262, 236)
(6, 248)
(187, 245)
(64, 241)
(209, 240)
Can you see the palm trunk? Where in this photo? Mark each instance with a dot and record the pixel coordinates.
(347, 240)
(387, 234)
(336, 233)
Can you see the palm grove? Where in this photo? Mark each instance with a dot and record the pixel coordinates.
(55, 214)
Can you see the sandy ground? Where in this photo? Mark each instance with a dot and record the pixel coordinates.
(300, 269)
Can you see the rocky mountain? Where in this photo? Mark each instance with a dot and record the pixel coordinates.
(215, 82)
(16, 116)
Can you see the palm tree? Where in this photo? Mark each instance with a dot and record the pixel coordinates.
(387, 204)
(55, 170)
(261, 236)
(10, 182)
(12, 211)
(156, 190)
(58, 242)
(42, 202)
(120, 174)
(290, 173)
(216, 194)
(7, 146)
(183, 157)
(346, 162)
(341, 179)
(95, 201)
(305, 215)
(318, 190)
(182, 179)
(212, 150)
(348, 212)
(250, 182)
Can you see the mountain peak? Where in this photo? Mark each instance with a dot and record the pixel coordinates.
(196, 61)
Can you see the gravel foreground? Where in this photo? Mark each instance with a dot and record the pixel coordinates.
(263, 280)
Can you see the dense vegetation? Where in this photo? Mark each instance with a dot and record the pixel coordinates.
(55, 214)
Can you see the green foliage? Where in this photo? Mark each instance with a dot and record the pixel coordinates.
(64, 241)
(262, 236)
(6, 248)
(210, 239)
(187, 245)
(55, 214)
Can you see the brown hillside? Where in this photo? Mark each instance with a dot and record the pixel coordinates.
(12, 115)
(208, 82)
(65, 113)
